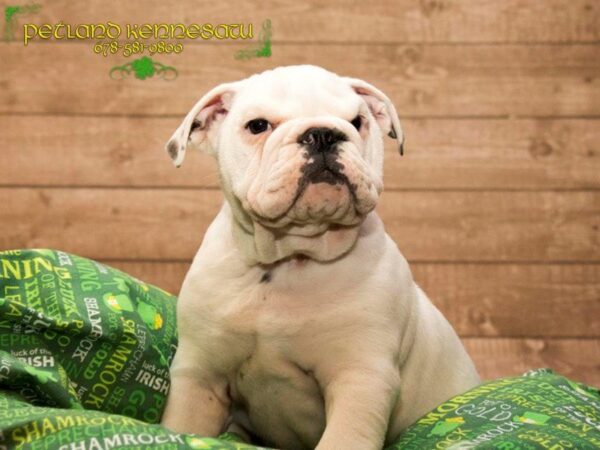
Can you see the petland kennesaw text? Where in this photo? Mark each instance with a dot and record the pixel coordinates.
(110, 30)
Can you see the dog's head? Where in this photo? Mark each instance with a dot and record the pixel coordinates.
(298, 147)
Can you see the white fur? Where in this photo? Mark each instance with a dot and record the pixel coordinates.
(342, 350)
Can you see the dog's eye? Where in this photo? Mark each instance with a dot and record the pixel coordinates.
(357, 122)
(257, 126)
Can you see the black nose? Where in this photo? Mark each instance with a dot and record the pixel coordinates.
(321, 139)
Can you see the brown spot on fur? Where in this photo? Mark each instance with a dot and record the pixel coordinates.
(172, 149)
(196, 124)
(266, 277)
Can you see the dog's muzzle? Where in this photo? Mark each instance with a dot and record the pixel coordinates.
(311, 175)
(322, 153)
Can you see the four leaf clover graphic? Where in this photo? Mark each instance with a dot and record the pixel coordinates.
(143, 67)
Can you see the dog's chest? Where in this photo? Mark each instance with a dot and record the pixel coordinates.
(263, 308)
(267, 339)
(266, 332)
(275, 397)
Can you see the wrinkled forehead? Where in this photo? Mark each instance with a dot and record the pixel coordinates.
(287, 95)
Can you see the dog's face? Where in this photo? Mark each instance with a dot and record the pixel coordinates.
(298, 147)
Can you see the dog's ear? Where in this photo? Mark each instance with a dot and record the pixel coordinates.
(206, 115)
(382, 109)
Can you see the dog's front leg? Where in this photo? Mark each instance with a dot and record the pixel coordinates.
(358, 405)
(194, 405)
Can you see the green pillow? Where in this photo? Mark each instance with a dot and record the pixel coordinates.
(85, 352)
(539, 410)
(78, 334)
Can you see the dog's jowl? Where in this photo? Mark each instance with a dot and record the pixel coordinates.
(299, 320)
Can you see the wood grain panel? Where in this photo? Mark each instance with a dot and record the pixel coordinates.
(358, 21)
(578, 359)
(518, 300)
(428, 226)
(440, 80)
(506, 300)
(440, 154)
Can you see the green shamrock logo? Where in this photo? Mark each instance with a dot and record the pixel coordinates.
(142, 68)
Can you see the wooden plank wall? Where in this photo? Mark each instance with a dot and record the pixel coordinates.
(496, 203)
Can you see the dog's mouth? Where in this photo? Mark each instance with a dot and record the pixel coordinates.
(324, 172)
(322, 167)
(326, 175)
(322, 212)
(313, 190)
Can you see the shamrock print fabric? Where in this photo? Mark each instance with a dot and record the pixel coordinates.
(84, 364)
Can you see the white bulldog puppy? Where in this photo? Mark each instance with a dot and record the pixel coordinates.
(299, 319)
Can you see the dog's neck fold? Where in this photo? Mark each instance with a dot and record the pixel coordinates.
(263, 245)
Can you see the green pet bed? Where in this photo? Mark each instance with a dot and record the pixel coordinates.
(85, 352)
